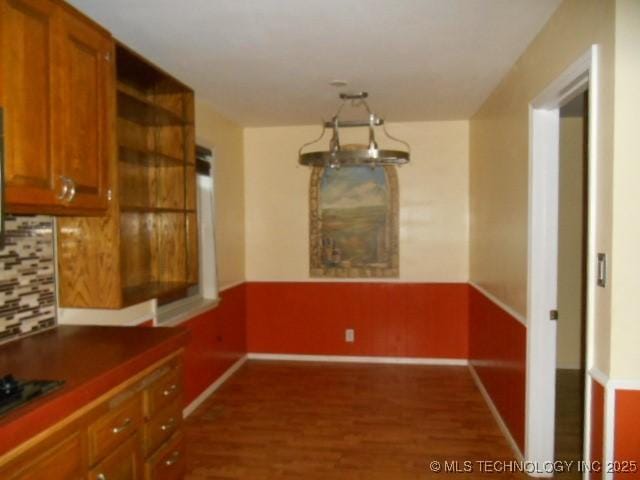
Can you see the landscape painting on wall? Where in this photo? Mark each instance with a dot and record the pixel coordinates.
(354, 222)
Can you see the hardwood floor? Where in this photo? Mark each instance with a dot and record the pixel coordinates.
(569, 417)
(342, 421)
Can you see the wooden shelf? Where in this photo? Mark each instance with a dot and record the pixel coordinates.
(145, 112)
(138, 72)
(147, 247)
(139, 209)
(163, 291)
(137, 156)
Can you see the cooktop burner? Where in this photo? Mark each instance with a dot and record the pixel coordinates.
(15, 393)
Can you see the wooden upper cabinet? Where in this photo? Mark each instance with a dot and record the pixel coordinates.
(86, 76)
(147, 245)
(27, 36)
(55, 76)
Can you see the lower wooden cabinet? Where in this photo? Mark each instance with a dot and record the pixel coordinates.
(60, 462)
(131, 433)
(161, 427)
(112, 428)
(164, 391)
(124, 463)
(168, 462)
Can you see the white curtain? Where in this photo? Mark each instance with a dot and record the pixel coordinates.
(206, 227)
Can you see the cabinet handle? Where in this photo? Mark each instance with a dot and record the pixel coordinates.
(169, 425)
(172, 459)
(65, 188)
(170, 390)
(101, 476)
(72, 191)
(125, 424)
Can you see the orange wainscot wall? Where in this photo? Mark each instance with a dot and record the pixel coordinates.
(218, 340)
(390, 319)
(627, 432)
(428, 320)
(597, 426)
(498, 352)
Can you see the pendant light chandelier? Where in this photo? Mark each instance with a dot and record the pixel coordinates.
(338, 156)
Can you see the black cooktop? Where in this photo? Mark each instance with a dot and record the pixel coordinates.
(15, 393)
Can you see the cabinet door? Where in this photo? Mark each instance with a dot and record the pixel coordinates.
(86, 77)
(63, 461)
(124, 463)
(27, 79)
(168, 463)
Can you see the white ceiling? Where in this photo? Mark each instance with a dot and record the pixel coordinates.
(268, 62)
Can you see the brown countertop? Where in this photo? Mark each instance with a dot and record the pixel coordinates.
(91, 361)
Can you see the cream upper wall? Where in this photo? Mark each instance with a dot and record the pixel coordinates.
(570, 247)
(499, 148)
(226, 139)
(433, 202)
(625, 260)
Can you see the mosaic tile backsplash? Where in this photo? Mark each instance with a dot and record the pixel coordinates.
(27, 276)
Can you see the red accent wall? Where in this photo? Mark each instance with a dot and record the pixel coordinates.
(597, 425)
(390, 319)
(218, 340)
(498, 352)
(627, 430)
(436, 320)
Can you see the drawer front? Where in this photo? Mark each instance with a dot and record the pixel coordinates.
(164, 424)
(169, 462)
(114, 427)
(62, 462)
(163, 392)
(123, 464)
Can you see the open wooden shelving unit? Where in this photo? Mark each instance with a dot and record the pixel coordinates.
(153, 213)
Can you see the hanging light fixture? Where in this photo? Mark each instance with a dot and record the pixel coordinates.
(338, 156)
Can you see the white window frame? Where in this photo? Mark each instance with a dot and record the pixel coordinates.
(205, 295)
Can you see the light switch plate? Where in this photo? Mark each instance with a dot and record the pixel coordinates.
(602, 270)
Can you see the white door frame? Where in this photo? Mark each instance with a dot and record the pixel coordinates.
(544, 136)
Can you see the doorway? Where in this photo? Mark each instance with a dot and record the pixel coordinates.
(573, 197)
(543, 258)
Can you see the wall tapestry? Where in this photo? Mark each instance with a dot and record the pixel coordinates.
(354, 222)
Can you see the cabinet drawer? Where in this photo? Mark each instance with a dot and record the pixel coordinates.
(62, 462)
(114, 427)
(161, 427)
(163, 392)
(169, 462)
(123, 464)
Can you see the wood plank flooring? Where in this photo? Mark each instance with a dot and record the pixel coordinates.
(569, 418)
(569, 414)
(279, 420)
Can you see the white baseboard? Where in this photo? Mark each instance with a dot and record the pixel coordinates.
(358, 359)
(611, 386)
(496, 414)
(189, 409)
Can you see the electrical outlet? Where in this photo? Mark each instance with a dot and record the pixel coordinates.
(349, 335)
